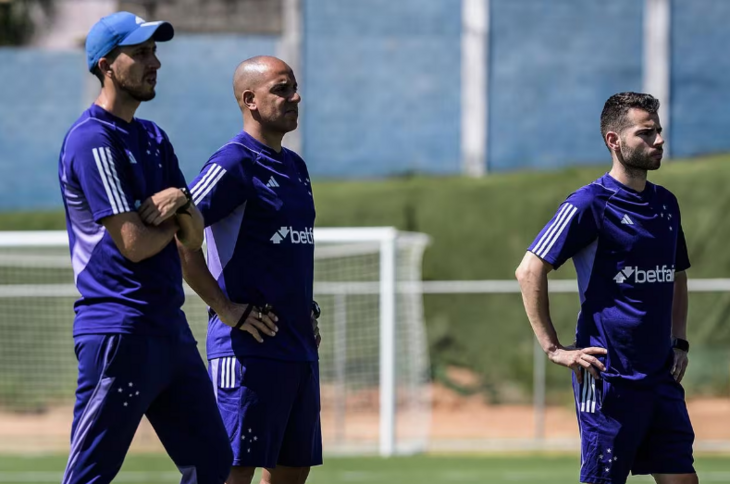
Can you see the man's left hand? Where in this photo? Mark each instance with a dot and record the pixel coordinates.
(161, 206)
(315, 327)
(680, 364)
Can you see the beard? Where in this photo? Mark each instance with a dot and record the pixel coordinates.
(139, 92)
(635, 159)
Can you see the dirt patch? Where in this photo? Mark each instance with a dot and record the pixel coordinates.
(453, 417)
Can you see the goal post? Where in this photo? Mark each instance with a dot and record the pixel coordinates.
(374, 366)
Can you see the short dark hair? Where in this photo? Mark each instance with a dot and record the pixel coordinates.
(110, 57)
(613, 116)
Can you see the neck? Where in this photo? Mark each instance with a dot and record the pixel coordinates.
(259, 133)
(118, 103)
(633, 178)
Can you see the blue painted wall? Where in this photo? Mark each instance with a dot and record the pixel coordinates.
(553, 65)
(382, 86)
(194, 105)
(700, 109)
(41, 94)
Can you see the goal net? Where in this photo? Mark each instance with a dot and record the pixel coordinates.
(374, 367)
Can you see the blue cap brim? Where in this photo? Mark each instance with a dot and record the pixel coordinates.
(160, 31)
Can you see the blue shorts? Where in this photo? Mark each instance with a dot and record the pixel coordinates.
(624, 428)
(123, 377)
(270, 409)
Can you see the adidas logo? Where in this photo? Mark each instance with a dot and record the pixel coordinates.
(659, 274)
(305, 236)
(626, 220)
(272, 183)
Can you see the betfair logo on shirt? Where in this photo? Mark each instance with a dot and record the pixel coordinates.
(305, 236)
(650, 276)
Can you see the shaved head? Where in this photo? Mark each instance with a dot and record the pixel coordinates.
(252, 73)
(266, 92)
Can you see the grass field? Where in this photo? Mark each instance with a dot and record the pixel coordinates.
(155, 469)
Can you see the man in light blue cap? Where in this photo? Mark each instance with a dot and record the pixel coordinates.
(127, 209)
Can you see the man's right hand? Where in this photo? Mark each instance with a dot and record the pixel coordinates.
(578, 359)
(267, 324)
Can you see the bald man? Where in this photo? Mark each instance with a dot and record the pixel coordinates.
(262, 346)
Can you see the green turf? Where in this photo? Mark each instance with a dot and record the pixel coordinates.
(154, 469)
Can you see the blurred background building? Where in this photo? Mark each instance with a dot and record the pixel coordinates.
(390, 87)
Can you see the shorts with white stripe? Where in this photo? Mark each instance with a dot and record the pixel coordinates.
(270, 409)
(626, 428)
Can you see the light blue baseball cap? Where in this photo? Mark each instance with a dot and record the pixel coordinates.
(122, 28)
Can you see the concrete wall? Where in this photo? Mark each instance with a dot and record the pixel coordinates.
(381, 86)
(194, 105)
(381, 82)
(553, 65)
(700, 77)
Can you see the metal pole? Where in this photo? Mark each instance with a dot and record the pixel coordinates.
(657, 55)
(539, 389)
(474, 91)
(340, 353)
(290, 51)
(387, 346)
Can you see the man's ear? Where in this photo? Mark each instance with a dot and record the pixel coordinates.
(613, 141)
(248, 99)
(104, 66)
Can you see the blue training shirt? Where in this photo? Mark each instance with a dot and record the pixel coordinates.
(259, 216)
(626, 247)
(107, 167)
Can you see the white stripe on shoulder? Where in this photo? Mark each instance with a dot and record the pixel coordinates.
(200, 184)
(124, 205)
(211, 177)
(566, 219)
(104, 180)
(106, 161)
(548, 233)
(211, 183)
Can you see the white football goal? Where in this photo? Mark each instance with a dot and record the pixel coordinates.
(374, 365)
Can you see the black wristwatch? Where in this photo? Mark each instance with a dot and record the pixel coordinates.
(680, 344)
(184, 208)
(316, 310)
